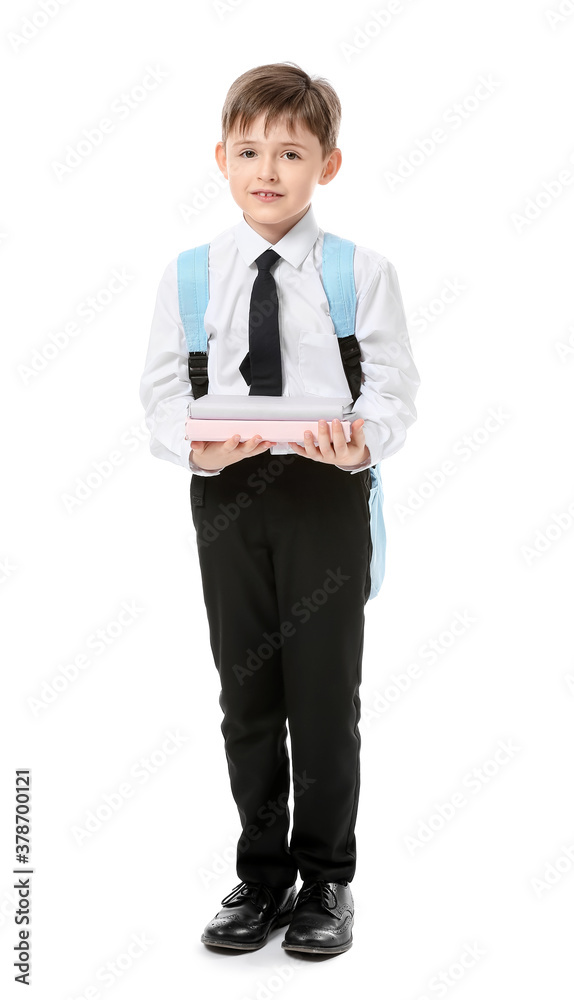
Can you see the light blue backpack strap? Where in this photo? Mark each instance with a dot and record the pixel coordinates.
(193, 292)
(378, 532)
(339, 282)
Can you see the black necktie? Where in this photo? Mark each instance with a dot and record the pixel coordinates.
(262, 363)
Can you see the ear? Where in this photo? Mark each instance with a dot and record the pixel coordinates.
(331, 166)
(221, 158)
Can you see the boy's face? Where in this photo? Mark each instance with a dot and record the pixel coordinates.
(290, 164)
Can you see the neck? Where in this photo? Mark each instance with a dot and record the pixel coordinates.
(275, 231)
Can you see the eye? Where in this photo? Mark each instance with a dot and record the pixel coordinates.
(290, 153)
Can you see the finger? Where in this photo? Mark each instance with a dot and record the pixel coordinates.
(324, 438)
(257, 442)
(236, 444)
(248, 445)
(340, 443)
(356, 446)
(309, 444)
(254, 442)
(232, 442)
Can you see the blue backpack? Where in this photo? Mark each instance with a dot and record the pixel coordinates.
(339, 284)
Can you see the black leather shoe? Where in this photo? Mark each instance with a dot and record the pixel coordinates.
(322, 921)
(249, 913)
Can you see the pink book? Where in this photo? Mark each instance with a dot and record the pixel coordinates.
(220, 429)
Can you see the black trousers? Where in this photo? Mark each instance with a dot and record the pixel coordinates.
(284, 548)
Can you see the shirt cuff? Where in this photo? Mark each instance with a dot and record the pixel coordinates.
(355, 468)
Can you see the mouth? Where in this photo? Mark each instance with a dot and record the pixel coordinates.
(266, 195)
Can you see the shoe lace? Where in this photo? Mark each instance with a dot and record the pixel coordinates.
(321, 891)
(256, 892)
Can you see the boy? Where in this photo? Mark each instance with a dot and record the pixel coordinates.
(286, 580)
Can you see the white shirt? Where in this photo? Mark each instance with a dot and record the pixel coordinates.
(311, 361)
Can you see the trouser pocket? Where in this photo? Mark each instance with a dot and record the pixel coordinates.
(197, 491)
(366, 474)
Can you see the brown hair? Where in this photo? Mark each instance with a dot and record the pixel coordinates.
(283, 90)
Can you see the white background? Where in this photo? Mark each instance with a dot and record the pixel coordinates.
(482, 541)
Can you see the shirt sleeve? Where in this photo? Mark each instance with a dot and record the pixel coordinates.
(165, 389)
(389, 378)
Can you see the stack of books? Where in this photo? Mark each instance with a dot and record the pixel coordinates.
(217, 417)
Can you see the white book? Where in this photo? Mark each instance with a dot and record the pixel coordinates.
(221, 405)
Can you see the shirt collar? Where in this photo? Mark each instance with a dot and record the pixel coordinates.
(294, 246)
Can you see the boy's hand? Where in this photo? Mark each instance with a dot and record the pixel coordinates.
(209, 455)
(339, 451)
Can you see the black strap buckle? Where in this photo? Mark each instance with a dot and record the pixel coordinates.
(197, 370)
(351, 359)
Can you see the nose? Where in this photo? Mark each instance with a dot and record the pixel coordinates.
(267, 167)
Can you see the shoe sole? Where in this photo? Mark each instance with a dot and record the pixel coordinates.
(281, 921)
(317, 950)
